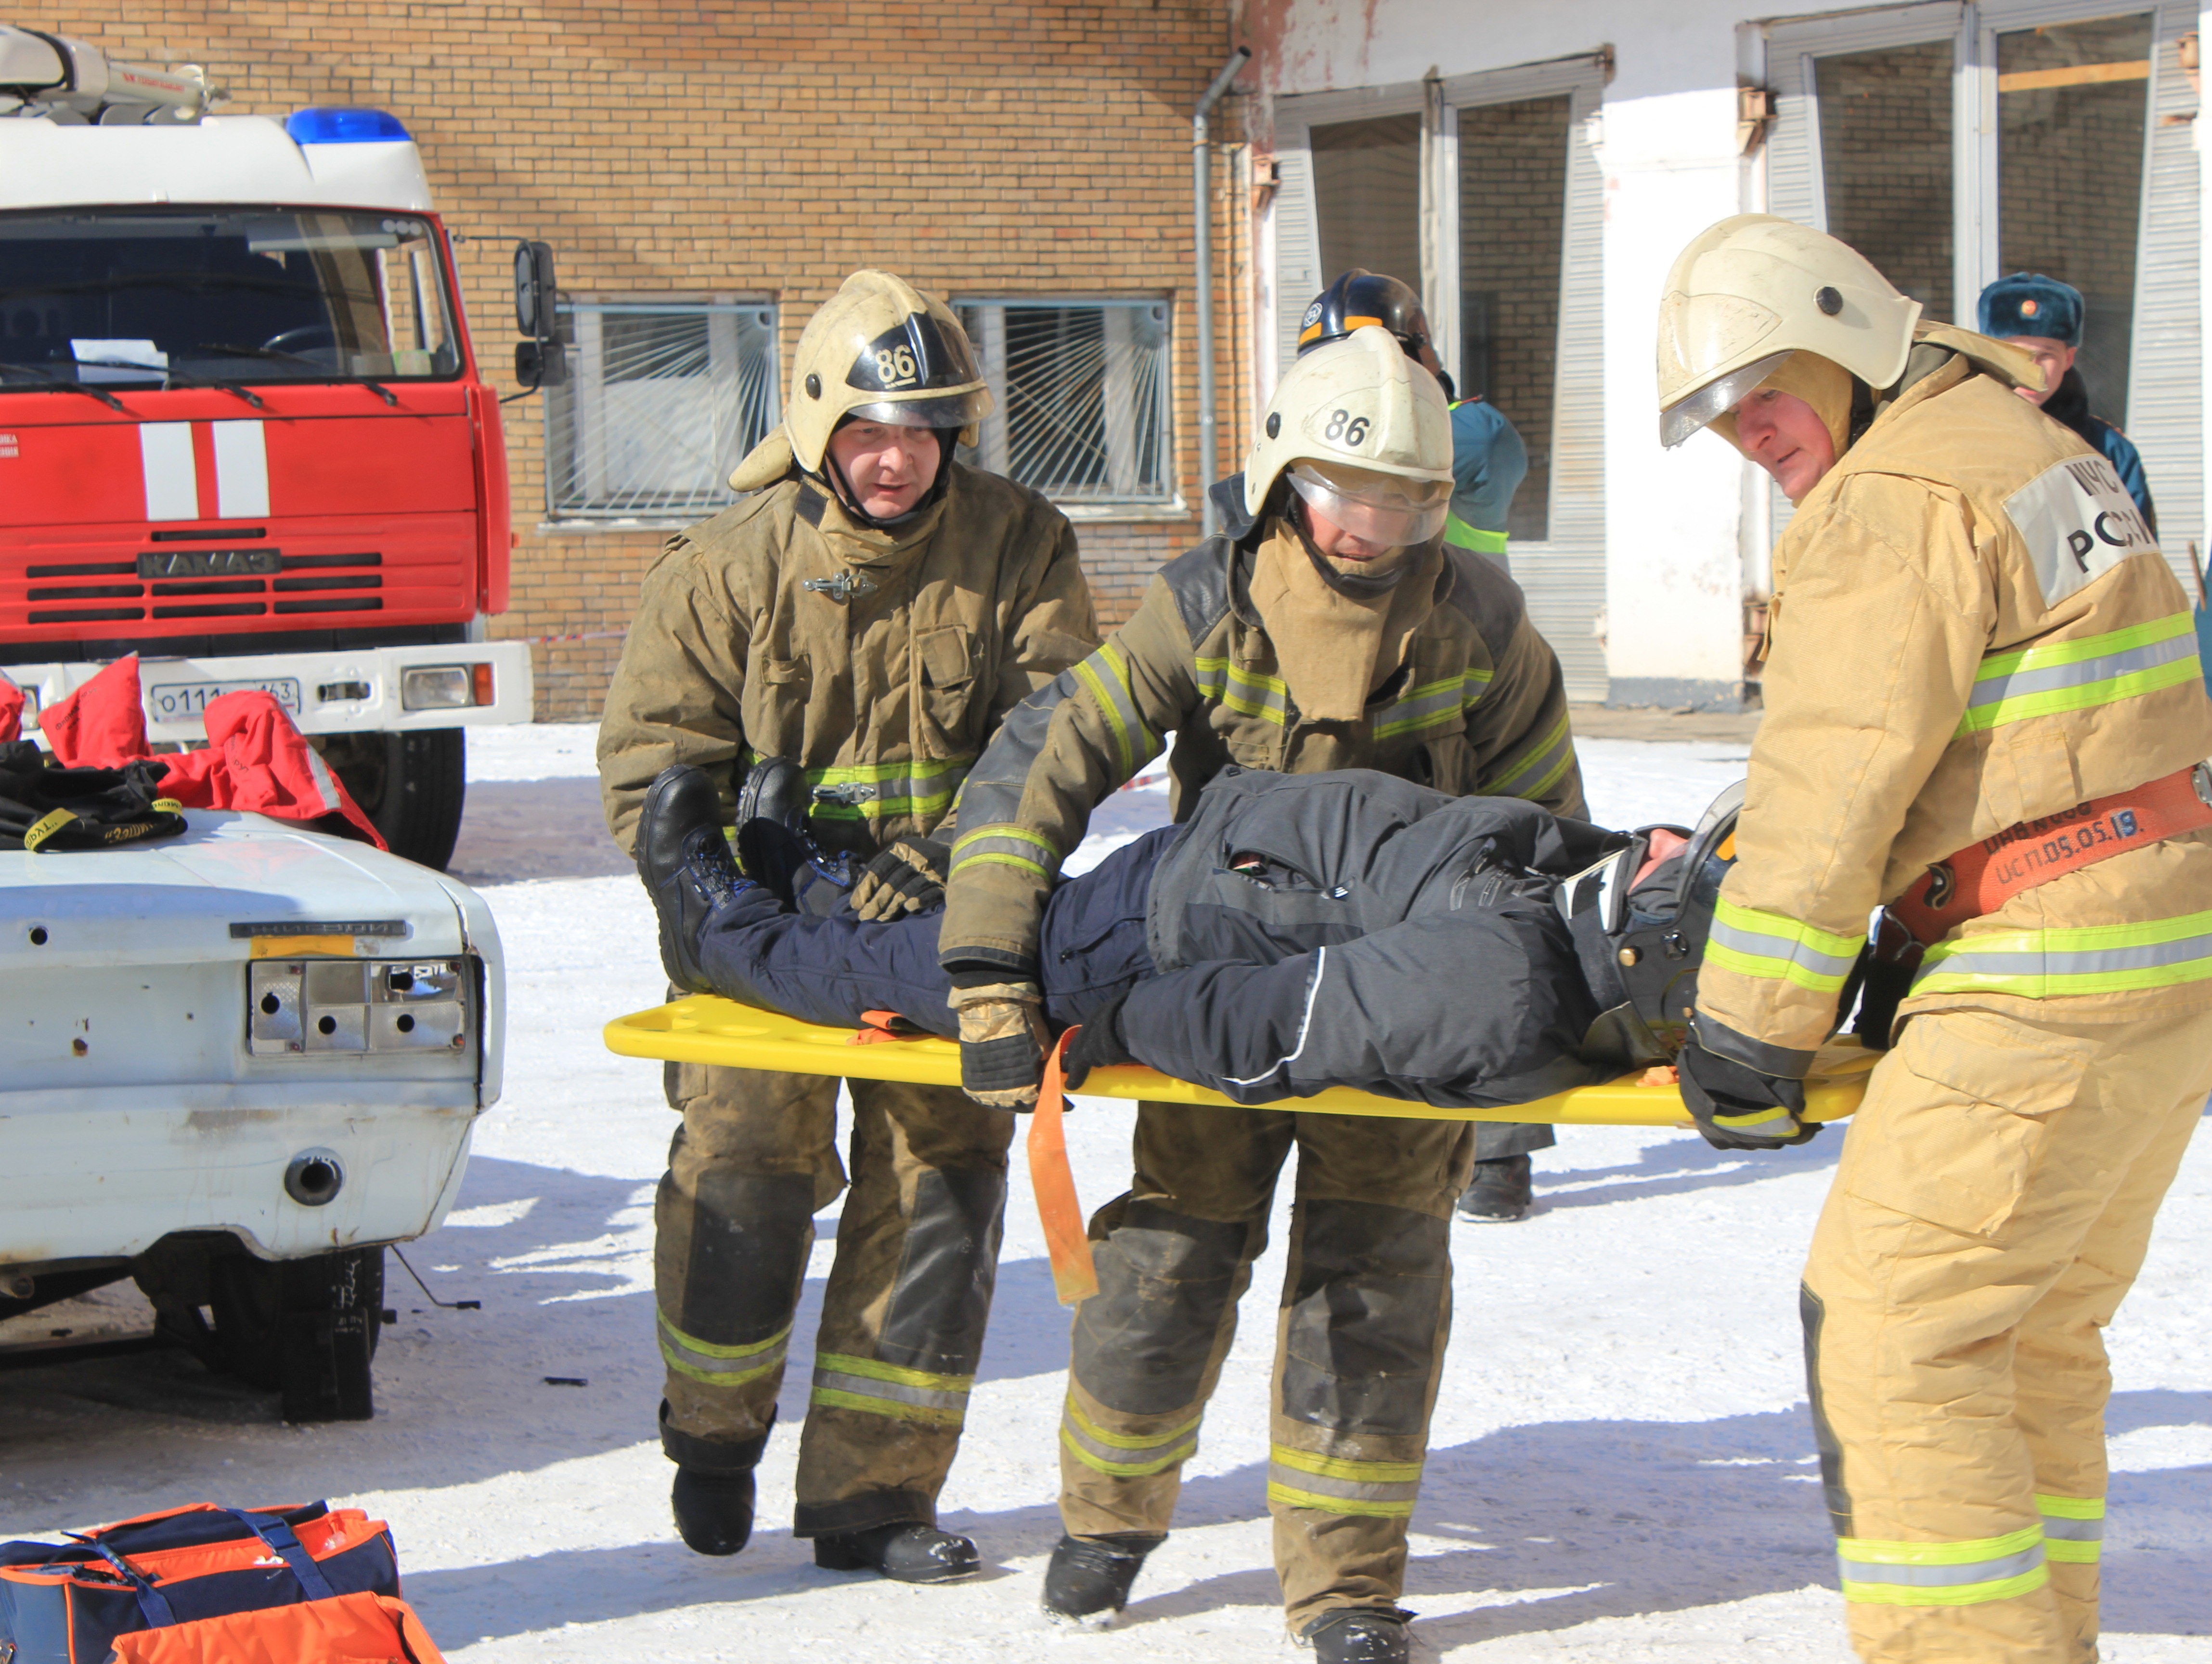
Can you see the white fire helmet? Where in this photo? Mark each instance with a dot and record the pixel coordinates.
(881, 350)
(1364, 436)
(1751, 290)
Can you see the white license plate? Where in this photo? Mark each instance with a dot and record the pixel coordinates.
(184, 702)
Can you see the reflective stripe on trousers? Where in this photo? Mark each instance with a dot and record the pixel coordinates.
(1753, 943)
(2094, 959)
(2073, 1528)
(1943, 1573)
(1341, 1484)
(1125, 1455)
(721, 1365)
(2076, 675)
(885, 1389)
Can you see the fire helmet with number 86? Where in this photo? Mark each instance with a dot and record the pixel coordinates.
(881, 350)
(1363, 434)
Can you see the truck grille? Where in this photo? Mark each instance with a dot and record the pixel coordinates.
(202, 583)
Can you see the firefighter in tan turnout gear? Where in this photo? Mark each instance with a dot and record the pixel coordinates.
(1338, 632)
(1984, 708)
(864, 618)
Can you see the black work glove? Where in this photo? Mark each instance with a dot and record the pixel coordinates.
(1098, 1044)
(1736, 1107)
(1890, 962)
(908, 877)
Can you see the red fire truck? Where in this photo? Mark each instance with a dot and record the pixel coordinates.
(242, 432)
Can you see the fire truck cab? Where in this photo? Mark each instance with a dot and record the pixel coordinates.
(242, 431)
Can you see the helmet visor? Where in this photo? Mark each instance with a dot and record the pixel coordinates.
(956, 409)
(1687, 415)
(1380, 509)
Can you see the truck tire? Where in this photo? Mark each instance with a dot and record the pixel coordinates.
(410, 785)
(306, 1327)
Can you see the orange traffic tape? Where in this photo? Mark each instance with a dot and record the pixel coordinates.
(1074, 1277)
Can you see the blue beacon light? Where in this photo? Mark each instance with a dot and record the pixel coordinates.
(341, 124)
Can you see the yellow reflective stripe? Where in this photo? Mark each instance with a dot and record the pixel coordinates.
(1345, 1467)
(1342, 1484)
(1754, 943)
(716, 1365)
(1557, 748)
(2043, 655)
(2069, 1508)
(991, 858)
(1006, 844)
(1459, 533)
(1248, 692)
(2077, 676)
(1292, 1498)
(1959, 1574)
(1423, 707)
(1106, 675)
(918, 786)
(1145, 1454)
(1757, 1118)
(885, 1389)
(2095, 959)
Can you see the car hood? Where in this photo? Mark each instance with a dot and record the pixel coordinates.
(231, 881)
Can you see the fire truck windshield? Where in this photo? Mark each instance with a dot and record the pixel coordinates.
(140, 297)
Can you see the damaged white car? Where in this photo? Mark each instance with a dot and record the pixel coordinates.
(233, 1065)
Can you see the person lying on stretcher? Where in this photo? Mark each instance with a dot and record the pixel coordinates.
(1296, 932)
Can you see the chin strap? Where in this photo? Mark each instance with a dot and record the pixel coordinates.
(1074, 1274)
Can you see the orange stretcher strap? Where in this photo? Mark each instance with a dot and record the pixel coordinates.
(1074, 1277)
(1982, 877)
(883, 1026)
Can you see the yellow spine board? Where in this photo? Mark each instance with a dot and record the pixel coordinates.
(705, 1029)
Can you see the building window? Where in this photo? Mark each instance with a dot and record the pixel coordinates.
(1886, 163)
(662, 400)
(2073, 111)
(1367, 190)
(1512, 233)
(1080, 396)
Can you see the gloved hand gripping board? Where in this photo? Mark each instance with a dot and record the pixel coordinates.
(702, 1028)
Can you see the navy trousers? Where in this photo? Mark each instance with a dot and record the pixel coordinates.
(829, 969)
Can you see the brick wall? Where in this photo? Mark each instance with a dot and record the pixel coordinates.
(681, 149)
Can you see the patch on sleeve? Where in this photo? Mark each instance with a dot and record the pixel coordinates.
(2079, 523)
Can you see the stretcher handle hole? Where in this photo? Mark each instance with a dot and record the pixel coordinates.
(327, 1025)
(271, 1004)
(38, 935)
(405, 1022)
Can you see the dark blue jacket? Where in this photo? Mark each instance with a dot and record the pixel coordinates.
(2069, 407)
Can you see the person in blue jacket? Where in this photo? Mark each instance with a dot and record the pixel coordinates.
(2043, 317)
(1489, 462)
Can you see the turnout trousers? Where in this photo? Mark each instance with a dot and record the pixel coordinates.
(908, 1295)
(1360, 1339)
(1992, 1204)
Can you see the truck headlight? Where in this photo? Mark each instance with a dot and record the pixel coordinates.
(380, 1005)
(436, 687)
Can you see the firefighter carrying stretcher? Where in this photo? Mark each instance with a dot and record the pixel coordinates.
(1336, 632)
(870, 611)
(1985, 708)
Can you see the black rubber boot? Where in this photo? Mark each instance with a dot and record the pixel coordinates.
(713, 1495)
(1089, 1579)
(905, 1553)
(1499, 1192)
(1361, 1635)
(774, 790)
(685, 862)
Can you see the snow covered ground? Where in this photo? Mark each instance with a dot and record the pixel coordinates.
(1622, 1466)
